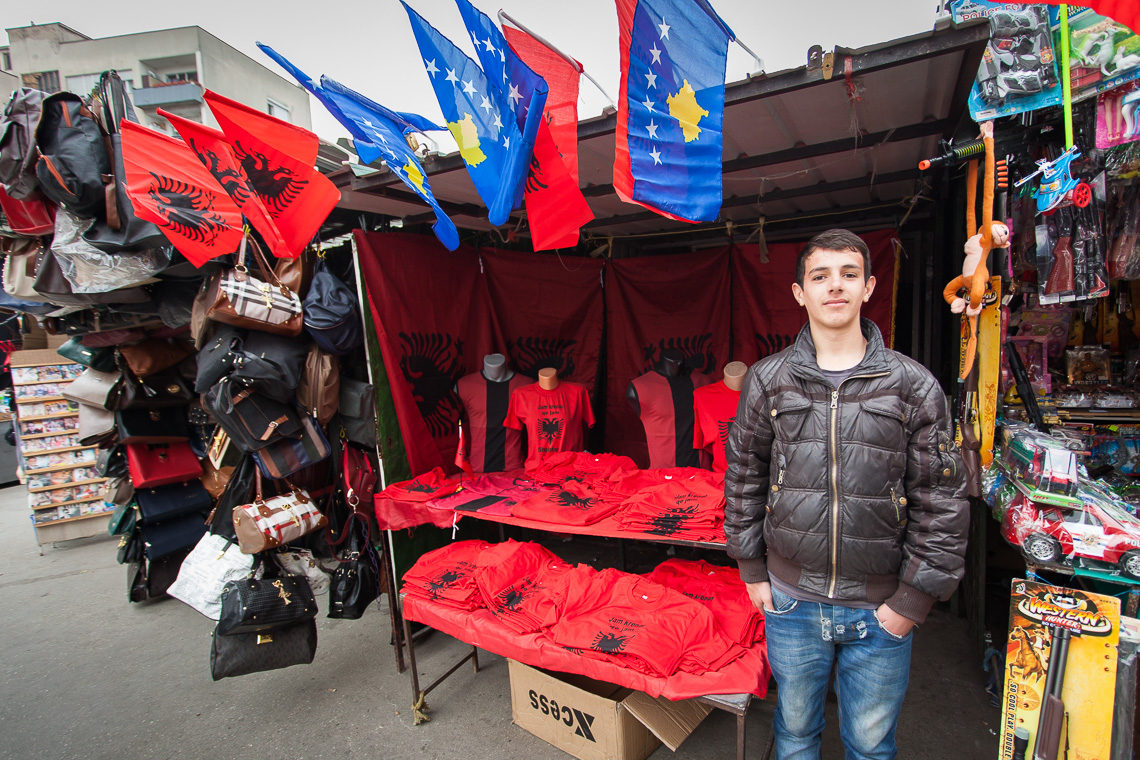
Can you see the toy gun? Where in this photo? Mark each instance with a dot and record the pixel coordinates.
(1053, 708)
(1024, 387)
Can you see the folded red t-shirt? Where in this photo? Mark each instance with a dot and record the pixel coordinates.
(572, 504)
(720, 590)
(629, 484)
(583, 467)
(447, 575)
(430, 485)
(521, 584)
(687, 509)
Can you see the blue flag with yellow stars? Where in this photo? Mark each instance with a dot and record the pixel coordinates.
(490, 142)
(671, 107)
(377, 133)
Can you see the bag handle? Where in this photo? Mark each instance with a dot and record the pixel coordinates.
(267, 271)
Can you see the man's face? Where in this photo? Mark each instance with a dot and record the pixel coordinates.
(834, 288)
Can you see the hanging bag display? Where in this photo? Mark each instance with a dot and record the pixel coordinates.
(251, 420)
(269, 523)
(160, 464)
(332, 315)
(246, 653)
(73, 155)
(236, 297)
(211, 564)
(282, 458)
(253, 605)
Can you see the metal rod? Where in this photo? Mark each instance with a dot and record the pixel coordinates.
(451, 670)
(412, 661)
(503, 16)
(758, 59)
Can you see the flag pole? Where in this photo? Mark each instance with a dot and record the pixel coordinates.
(581, 69)
(746, 49)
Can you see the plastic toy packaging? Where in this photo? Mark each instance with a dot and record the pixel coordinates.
(1103, 54)
(1042, 467)
(1088, 364)
(1116, 116)
(1018, 71)
(1122, 227)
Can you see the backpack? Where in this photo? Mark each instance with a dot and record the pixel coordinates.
(18, 142)
(74, 165)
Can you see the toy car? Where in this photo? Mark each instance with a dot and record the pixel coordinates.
(1098, 534)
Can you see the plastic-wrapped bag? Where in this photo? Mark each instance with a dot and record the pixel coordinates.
(90, 270)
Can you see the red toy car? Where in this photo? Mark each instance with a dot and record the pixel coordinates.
(1099, 533)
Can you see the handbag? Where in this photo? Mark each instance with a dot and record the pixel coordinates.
(164, 389)
(332, 315)
(153, 355)
(252, 420)
(102, 359)
(319, 388)
(164, 425)
(245, 653)
(282, 458)
(123, 519)
(356, 580)
(267, 524)
(120, 491)
(252, 605)
(20, 268)
(73, 156)
(30, 216)
(358, 412)
(236, 297)
(160, 464)
(91, 321)
(270, 363)
(163, 503)
(112, 462)
(359, 479)
(163, 571)
(170, 536)
(216, 358)
(210, 565)
(96, 425)
(302, 562)
(95, 388)
(215, 479)
(18, 142)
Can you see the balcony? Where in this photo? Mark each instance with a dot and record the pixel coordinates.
(168, 95)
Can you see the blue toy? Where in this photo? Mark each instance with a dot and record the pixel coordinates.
(1057, 186)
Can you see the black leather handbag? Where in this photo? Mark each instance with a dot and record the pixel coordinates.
(270, 364)
(163, 425)
(356, 580)
(253, 605)
(164, 503)
(357, 411)
(101, 359)
(244, 653)
(169, 536)
(112, 462)
(251, 419)
(331, 314)
(162, 389)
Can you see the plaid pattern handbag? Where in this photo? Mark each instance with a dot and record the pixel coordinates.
(267, 524)
(236, 297)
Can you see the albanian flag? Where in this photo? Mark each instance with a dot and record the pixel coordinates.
(216, 155)
(167, 185)
(277, 159)
(462, 455)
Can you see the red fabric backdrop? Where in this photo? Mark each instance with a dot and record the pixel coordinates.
(438, 313)
(765, 315)
(656, 303)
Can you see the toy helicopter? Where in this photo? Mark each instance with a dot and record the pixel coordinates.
(1057, 183)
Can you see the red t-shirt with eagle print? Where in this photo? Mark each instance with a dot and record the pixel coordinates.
(571, 504)
(715, 409)
(554, 420)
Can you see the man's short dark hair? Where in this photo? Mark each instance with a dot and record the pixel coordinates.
(834, 240)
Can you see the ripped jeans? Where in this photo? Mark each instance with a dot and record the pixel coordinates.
(872, 669)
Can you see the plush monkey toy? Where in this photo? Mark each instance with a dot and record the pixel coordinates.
(964, 293)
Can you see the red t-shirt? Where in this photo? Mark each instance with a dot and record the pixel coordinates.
(715, 409)
(630, 484)
(720, 590)
(494, 447)
(521, 584)
(641, 625)
(430, 485)
(685, 509)
(572, 504)
(554, 420)
(666, 404)
(596, 470)
(447, 575)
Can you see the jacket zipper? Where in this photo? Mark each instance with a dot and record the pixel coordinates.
(833, 446)
(895, 503)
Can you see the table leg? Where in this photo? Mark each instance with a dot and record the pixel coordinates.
(740, 730)
(475, 657)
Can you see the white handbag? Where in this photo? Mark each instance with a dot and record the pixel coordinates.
(209, 566)
(302, 562)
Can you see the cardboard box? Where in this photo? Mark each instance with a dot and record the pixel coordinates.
(593, 720)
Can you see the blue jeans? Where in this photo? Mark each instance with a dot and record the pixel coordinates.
(873, 666)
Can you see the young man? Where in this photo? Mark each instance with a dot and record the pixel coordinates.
(846, 508)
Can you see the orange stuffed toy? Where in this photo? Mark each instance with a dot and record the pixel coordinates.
(965, 292)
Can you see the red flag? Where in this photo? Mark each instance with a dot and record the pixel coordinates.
(562, 74)
(1125, 12)
(462, 457)
(168, 185)
(555, 206)
(218, 157)
(277, 159)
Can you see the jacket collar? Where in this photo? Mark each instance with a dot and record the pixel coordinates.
(803, 359)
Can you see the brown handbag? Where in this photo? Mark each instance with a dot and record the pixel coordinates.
(236, 297)
(154, 355)
(267, 524)
(319, 389)
(215, 479)
(296, 274)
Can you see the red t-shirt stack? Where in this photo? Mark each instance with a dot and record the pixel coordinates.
(686, 509)
(430, 485)
(447, 575)
(521, 584)
(641, 625)
(720, 590)
(597, 470)
(572, 504)
(490, 494)
(628, 484)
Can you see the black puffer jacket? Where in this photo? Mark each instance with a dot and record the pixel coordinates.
(856, 494)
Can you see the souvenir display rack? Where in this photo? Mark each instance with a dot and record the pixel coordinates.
(65, 493)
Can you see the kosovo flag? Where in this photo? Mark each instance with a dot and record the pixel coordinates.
(482, 123)
(555, 206)
(378, 133)
(671, 107)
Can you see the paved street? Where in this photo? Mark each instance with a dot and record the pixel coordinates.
(87, 675)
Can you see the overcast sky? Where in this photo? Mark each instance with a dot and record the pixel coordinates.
(369, 45)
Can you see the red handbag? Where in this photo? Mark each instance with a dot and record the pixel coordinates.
(28, 217)
(161, 464)
(359, 479)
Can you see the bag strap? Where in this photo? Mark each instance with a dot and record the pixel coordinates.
(267, 271)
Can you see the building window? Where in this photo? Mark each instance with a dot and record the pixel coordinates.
(278, 110)
(82, 84)
(48, 81)
(182, 76)
(7, 61)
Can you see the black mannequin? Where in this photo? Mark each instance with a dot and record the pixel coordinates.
(669, 365)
